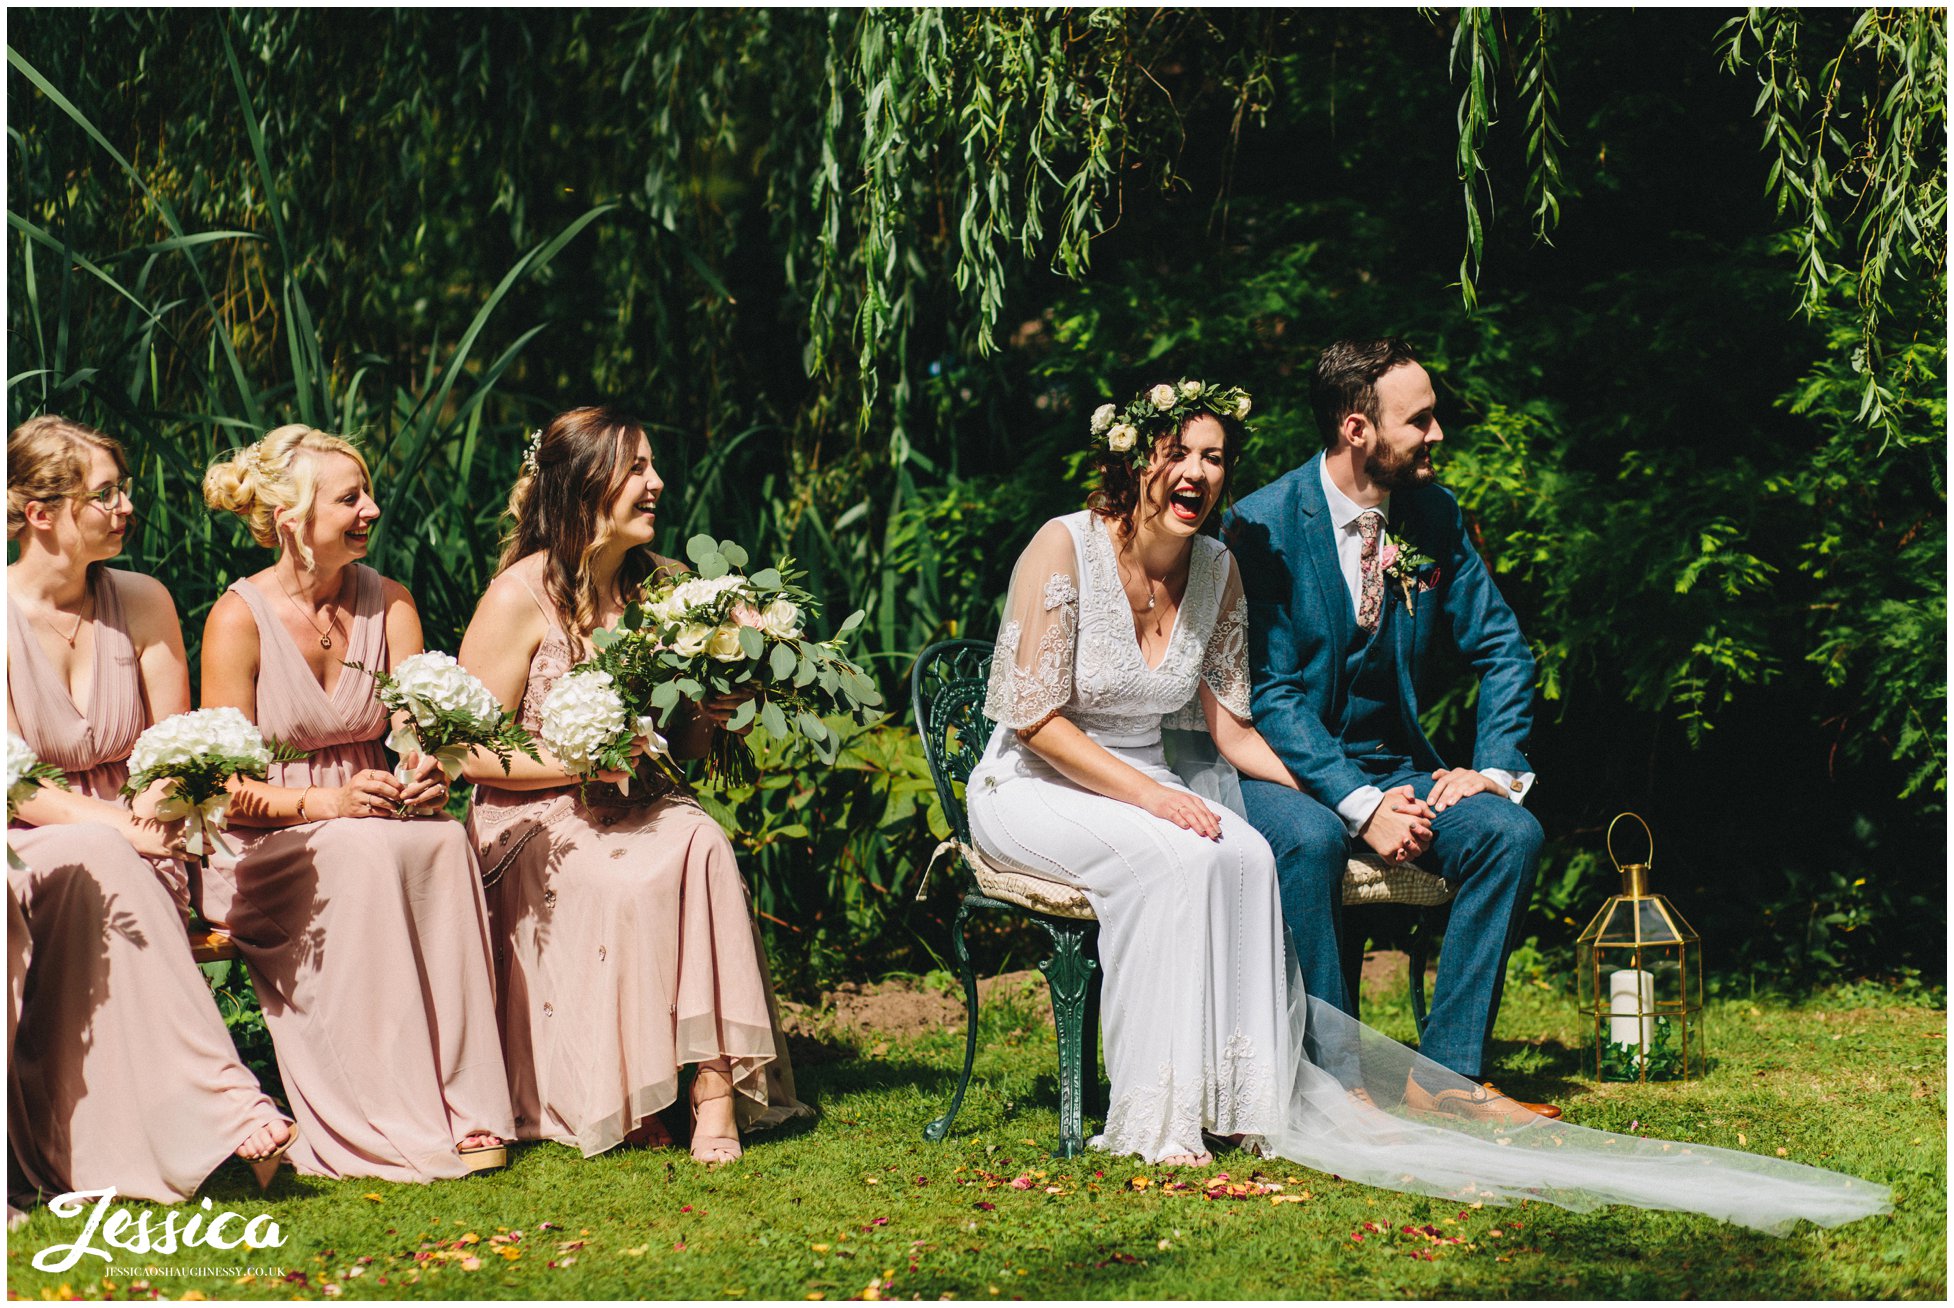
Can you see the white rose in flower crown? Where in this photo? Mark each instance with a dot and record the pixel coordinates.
(724, 643)
(1102, 418)
(1120, 439)
(1242, 406)
(1190, 390)
(1161, 396)
(781, 619)
(581, 715)
(691, 639)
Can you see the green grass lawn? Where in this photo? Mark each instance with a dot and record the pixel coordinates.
(857, 1204)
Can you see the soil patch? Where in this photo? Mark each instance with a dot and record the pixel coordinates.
(905, 1008)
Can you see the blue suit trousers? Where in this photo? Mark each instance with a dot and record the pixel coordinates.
(1486, 846)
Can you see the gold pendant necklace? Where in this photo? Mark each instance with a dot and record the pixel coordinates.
(332, 619)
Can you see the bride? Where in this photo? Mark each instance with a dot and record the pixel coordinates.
(1125, 616)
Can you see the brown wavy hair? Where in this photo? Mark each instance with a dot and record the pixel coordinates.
(558, 509)
(47, 459)
(1117, 496)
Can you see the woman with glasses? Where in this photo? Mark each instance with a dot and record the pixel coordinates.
(123, 1073)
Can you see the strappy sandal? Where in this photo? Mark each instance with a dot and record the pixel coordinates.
(485, 1157)
(712, 1150)
(265, 1170)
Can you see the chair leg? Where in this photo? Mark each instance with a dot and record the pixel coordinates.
(1351, 942)
(1094, 1099)
(1069, 972)
(940, 1128)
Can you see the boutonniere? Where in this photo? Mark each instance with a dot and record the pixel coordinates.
(1414, 572)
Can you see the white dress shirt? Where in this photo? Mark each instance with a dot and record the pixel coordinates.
(1356, 808)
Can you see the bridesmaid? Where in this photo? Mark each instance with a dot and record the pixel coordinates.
(365, 932)
(122, 1072)
(624, 945)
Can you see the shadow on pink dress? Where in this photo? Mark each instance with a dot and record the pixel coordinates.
(367, 938)
(121, 1072)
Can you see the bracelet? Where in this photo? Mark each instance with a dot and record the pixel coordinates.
(302, 795)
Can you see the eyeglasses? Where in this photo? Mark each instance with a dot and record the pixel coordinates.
(110, 495)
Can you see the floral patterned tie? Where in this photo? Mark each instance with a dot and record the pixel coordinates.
(1370, 573)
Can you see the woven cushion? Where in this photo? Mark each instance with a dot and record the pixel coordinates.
(1039, 894)
(1366, 880)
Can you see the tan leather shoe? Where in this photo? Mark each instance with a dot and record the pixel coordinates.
(1486, 1104)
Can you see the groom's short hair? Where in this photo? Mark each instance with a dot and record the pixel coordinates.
(1345, 380)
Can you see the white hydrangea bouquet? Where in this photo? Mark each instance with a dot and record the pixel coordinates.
(590, 729)
(447, 712)
(25, 775)
(721, 632)
(197, 752)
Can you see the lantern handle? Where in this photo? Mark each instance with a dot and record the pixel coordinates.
(1610, 837)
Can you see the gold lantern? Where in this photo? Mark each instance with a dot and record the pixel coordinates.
(1641, 980)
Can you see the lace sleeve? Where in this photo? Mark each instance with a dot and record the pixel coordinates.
(1224, 664)
(1031, 669)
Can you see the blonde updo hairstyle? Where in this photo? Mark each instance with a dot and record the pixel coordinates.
(47, 459)
(277, 472)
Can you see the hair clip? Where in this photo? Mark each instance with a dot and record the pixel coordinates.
(529, 462)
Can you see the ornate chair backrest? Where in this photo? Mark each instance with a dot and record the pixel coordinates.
(947, 693)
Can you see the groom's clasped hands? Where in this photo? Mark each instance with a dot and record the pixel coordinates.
(1401, 828)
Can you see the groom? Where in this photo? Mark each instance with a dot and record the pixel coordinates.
(1356, 564)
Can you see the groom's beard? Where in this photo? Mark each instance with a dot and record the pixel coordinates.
(1396, 472)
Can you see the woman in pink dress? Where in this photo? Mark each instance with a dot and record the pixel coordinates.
(122, 1073)
(364, 930)
(625, 948)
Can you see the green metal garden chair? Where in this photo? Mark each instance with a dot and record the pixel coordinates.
(947, 691)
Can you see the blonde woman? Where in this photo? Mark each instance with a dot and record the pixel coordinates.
(624, 945)
(365, 931)
(123, 1073)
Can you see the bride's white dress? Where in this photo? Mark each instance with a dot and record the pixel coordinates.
(1207, 1025)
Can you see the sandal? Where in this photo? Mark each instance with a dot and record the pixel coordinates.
(483, 1157)
(712, 1150)
(264, 1170)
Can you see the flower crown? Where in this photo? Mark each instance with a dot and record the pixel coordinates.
(1162, 409)
(529, 461)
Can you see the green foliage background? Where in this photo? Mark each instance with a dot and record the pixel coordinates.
(1680, 277)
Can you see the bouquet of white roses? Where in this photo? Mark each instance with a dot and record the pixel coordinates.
(448, 711)
(587, 725)
(26, 774)
(719, 632)
(197, 752)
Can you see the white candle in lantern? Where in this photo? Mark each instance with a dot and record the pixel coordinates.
(1631, 1004)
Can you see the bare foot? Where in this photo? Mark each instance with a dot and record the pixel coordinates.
(480, 1140)
(649, 1134)
(1202, 1159)
(267, 1140)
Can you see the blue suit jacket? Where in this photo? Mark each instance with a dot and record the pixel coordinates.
(1301, 624)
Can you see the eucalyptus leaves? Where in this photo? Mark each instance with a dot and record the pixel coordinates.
(719, 633)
